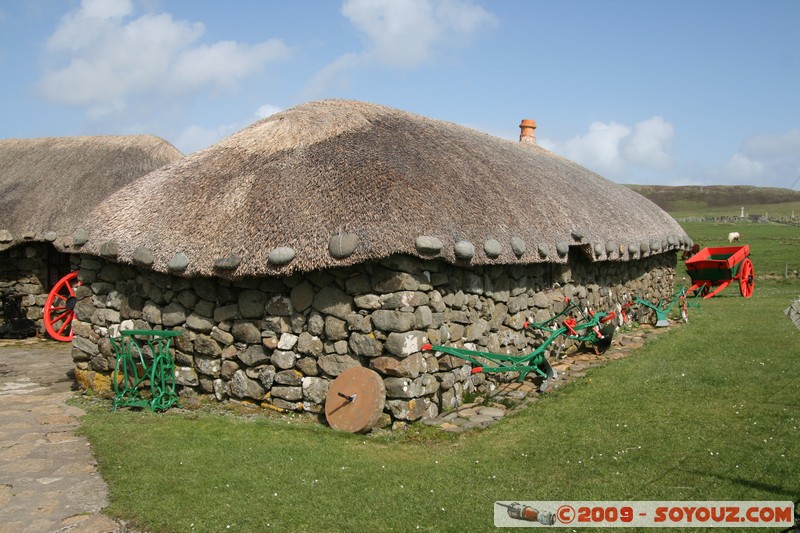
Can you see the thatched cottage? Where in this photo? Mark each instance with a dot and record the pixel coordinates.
(47, 187)
(342, 233)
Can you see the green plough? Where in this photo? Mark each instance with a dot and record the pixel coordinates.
(665, 306)
(593, 328)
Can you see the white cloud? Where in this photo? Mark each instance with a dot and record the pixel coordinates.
(742, 168)
(334, 75)
(406, 33)
(618, 151)
(772, 145)
(599, 148)
(106, 8)
(222, 64)
(771, 159)
(403, 34)
(194, 138)
(102, 59)
(266, 110)
(650, 144)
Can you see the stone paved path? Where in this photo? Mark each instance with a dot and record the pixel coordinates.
(48, 477)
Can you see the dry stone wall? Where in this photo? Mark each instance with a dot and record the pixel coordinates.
(281, 341)
(23, 273)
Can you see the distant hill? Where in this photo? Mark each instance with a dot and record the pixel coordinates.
(713, 197)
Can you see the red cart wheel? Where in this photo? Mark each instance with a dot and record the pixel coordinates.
(59, 308)
(747, 278)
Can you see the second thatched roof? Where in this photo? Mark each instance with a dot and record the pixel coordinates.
(49, 185)
(335, 183)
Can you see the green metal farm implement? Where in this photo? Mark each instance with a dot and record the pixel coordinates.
(589, 328)
(594, 330)
(144, 378)
(664, 307)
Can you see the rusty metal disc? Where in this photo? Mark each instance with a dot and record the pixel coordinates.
(355, 400)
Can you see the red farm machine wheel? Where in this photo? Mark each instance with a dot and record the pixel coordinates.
(747, 278)
(59, 308)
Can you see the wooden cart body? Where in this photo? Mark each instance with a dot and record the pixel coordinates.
(713, 269)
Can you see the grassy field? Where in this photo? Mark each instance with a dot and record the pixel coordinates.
(689, 209)
(774, 248)
(706, 411)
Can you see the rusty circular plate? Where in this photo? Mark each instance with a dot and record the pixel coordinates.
(355, 400)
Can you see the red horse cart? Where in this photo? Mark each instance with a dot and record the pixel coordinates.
(713, 269)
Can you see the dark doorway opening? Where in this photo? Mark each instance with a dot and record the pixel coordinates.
(58, 266)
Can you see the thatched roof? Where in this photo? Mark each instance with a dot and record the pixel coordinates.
(334, 183)
(49, 185)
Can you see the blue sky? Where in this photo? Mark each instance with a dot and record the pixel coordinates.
(662, 92)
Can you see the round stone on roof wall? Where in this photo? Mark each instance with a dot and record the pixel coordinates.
(5, 236)
(633, 249)
(610, 247)
(599, 249)
(577, 234)
(428, 245)
(50, 236)
(80, 237)
(231, 262)
(518, 246)
(644, 247)
(655, 246)
(544, 250)
(143, 256)
(281, 255)
(562, 248)
(109, 249)
(492, 248)
(179, 262)
(464, 250)
(343, 245)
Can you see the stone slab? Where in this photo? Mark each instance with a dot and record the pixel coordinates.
(49, 474)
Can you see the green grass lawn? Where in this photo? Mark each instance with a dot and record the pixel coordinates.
(706, 411)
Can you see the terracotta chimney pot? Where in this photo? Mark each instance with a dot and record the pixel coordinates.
(527, 131)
